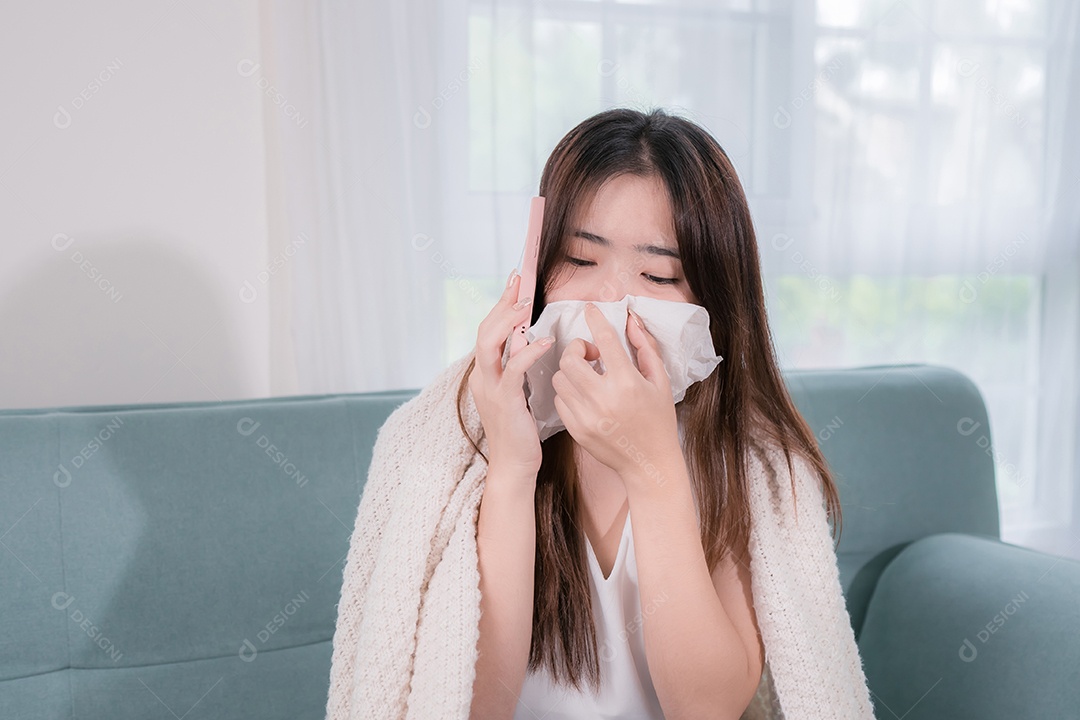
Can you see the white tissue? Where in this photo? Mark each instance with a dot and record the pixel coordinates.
(680, 328)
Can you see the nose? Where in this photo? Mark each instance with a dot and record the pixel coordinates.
(613, 283)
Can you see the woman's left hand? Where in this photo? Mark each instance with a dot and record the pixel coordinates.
(624, 418)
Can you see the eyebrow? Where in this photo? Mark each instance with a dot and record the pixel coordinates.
(651, 249)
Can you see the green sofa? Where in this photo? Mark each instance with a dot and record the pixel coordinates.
(183, 560)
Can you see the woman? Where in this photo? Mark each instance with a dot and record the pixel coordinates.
(645, 205)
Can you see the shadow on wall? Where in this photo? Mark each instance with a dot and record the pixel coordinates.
(117, 322)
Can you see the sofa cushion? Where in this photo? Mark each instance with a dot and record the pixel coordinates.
(967, 627)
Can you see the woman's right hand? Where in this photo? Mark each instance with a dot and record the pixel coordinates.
(499, 393)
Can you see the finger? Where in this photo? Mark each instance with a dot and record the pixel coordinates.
(578, 379)
(566, 414)
(582, 372)
(518, 364)
(650, 361)
(489, 355)
(495, 329)
(565, 387)
(513, 282)
(607, 340)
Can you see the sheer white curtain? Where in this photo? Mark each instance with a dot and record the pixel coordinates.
(355, 192)
(911, 167)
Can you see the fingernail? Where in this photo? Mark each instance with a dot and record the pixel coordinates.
(547, 340)
(522, 303)
(510, 280)
(636, 318)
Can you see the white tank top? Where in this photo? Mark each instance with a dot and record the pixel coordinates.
(626, 689)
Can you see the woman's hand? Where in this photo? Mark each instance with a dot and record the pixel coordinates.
(624, 418)
(499, 393)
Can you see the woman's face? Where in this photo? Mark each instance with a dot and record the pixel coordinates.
(623, 244)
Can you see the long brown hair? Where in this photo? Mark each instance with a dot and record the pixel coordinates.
(744, 397)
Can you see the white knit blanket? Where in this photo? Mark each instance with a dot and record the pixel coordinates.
(405, 645)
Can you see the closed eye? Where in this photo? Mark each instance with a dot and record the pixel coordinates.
(652, 278)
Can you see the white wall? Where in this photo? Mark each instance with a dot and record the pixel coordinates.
(132, 203)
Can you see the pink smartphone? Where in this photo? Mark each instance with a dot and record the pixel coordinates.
(527, 284)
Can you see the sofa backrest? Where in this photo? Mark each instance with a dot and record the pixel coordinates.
(910, 450)
(167, 559)
(177, 558)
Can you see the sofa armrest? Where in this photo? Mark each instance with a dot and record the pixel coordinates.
(967, 627)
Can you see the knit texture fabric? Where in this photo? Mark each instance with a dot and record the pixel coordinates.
(405, 644)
